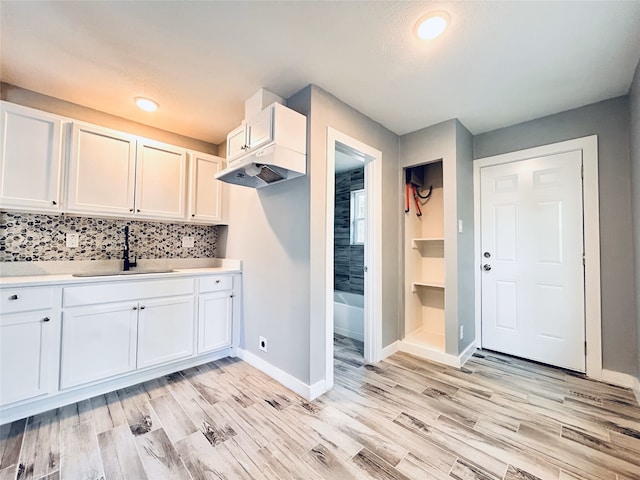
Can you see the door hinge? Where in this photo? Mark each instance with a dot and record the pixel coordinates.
(584, 259)
(581, 171)
(585, 348)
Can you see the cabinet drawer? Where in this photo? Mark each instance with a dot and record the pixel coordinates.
(216, 283)
(25, 299)
(125, 291)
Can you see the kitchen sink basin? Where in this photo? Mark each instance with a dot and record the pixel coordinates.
(141, 271)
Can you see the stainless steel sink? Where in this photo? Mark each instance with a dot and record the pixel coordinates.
(142, 271)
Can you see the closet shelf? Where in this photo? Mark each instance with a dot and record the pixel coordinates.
(426, 284)
(415, 242)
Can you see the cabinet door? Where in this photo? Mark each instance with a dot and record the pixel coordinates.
(165, 330)
(236, 142)
(97, 342)
(101, 171)
(28, 355)
(206, 196)
(161, 180)
(30, 158)
(260, 129)
(214, 321)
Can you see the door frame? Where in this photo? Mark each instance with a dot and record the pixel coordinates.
(372, 250)
(590, 203)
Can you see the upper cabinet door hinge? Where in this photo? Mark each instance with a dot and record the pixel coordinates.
(581, 171)
(584, 259)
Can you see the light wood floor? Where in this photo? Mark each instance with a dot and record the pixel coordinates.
(497, 418)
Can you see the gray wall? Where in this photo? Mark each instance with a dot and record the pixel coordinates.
(610, 121)
(325, 111)
(466, 283)
(634, 100)
(348, 260)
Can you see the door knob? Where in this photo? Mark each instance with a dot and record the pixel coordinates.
(486, 267)
(486, 255)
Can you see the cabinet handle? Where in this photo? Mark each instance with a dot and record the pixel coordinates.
(46, 319)
(193, 214)
(135, 308)
(142, 307)
(131, 209)
(138, 210)
(231, 296)
(53, 202)
(218, 281)
(13, 297)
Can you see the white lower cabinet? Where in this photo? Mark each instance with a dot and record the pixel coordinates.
(67, 343)
(215, 311)
(97, 342)
(28, 355)
(165, 330)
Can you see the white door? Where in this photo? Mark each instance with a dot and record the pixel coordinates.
(236, 142)
(98, 342)
(165, 330)
(101, 171)
(532, 250)
(205, 205)
(27, 352)
(30, 158)
(214, 321)
(160, 180)
(260, 129)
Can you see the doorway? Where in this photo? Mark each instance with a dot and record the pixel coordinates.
(538, 256)
(353, 284)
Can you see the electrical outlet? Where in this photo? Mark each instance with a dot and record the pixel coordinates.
(73, 239)
(461, 332)
(188, 242)
(262, 344)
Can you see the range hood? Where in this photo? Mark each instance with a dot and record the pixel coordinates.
(266, 166)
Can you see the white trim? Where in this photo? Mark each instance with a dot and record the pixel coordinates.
(618, 378)
(591, 202)
(389, 350)
(345, 332)
(309, 392)
(437, 356)
(373, 251)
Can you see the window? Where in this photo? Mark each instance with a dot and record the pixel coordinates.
(358, 210)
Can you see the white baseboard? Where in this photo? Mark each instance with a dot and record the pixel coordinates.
(309, 392)
(436, 356)
(389, 350)
(349, 333)
(622, 380)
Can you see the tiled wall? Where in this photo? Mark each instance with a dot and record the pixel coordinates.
(348, 259)
(33, 237)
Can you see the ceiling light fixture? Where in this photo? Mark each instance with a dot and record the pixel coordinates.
(432, 25)
(146, 104)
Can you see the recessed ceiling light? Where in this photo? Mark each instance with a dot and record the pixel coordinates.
(146, 104)
(432, 25)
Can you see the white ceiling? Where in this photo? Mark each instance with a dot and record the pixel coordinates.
(498, 64)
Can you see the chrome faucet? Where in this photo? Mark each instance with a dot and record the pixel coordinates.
(125, 254)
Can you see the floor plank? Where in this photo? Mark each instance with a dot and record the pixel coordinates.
(498, 417)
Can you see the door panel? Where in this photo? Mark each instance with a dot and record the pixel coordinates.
(533, 282)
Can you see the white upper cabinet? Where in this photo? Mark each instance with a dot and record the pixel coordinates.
(236, 142)
(161, 180)
(205, 204)
(30, 159)
(114, 173)
(102, 170)
(275, 124)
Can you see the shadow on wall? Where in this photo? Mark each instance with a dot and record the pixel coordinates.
(286, 209)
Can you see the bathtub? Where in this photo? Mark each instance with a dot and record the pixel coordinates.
(348, 314)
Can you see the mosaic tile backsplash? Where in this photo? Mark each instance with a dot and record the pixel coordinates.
(26, 237)
(348, 259)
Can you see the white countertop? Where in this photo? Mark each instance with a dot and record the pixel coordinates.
(61, 273)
